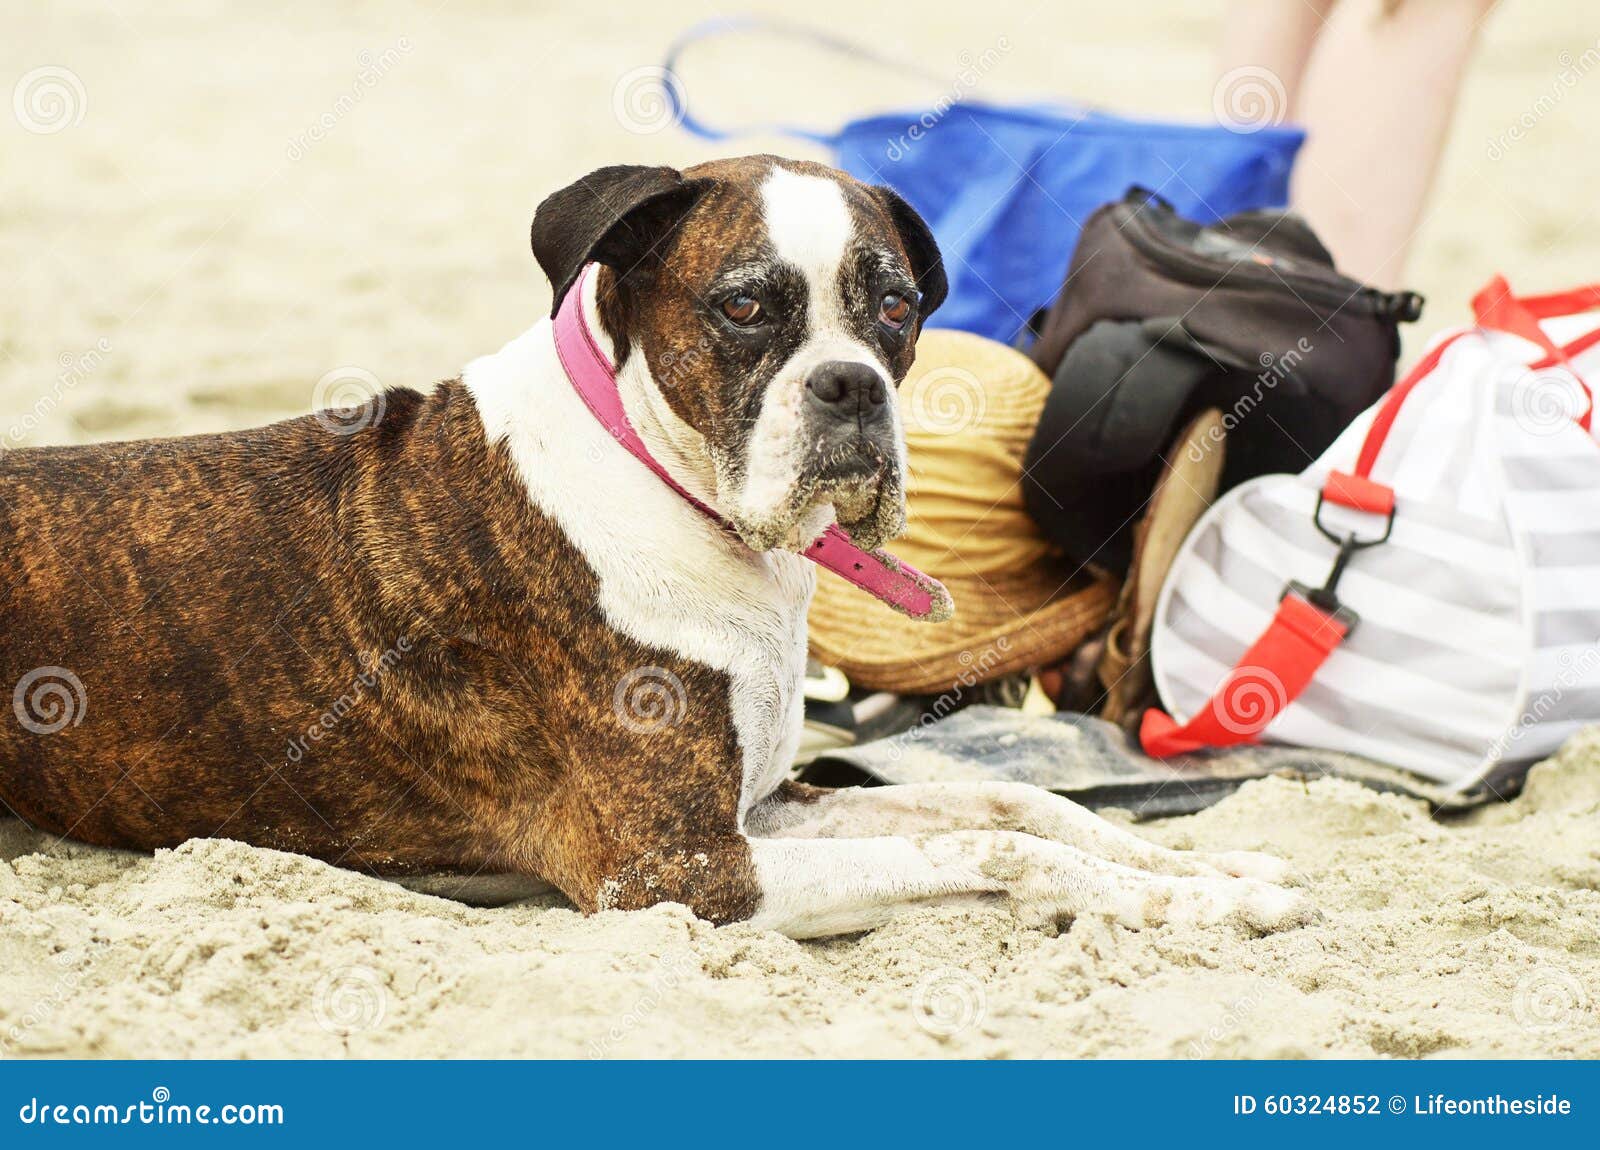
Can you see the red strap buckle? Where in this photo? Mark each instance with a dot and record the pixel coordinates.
(1309, 624)
(1359, 493)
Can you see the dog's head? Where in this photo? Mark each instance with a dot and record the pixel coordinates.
(776, 306)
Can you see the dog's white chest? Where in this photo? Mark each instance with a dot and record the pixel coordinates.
(668, 577)
(754, 628)
(739, 613)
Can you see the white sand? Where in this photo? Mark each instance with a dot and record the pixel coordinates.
(1470, 939)
(179, 260)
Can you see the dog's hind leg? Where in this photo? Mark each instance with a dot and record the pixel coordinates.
(795, 811)
(821, 886)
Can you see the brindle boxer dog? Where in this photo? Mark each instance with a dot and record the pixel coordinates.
(416, 647)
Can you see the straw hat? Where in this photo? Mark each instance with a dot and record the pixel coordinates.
(969, 406)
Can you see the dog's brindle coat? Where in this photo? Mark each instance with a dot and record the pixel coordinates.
(477, 636)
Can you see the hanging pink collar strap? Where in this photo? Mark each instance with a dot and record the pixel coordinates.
(594, 378)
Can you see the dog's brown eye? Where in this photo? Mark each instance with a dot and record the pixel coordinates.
(742, 310)
(894, 310)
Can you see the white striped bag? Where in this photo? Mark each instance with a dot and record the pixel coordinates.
(1426, 594)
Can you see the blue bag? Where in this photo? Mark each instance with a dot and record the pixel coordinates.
(1006, 189)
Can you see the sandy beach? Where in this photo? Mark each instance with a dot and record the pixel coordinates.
(1470, 939)
(231, 214)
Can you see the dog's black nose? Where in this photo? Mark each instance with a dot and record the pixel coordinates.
(847, 390)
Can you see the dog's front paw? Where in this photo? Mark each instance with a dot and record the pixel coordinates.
(1262, 906)
(1248, 864)
(1270, 908)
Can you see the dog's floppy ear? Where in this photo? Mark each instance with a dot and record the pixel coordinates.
(614, 216)
(926, 262)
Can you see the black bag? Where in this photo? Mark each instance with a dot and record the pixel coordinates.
(1161, 318)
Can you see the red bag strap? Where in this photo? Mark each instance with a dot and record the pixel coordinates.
(1498, 308)
(1383, 421)
(1574, 301)
(1270, 676)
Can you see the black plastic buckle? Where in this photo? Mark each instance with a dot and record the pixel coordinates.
(1402, 306)
(1326, 597)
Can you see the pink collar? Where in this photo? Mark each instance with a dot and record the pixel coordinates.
(595, 379)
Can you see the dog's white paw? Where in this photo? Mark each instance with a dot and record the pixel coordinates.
(1270, 908)
(1262, 906)
(1249, 864)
